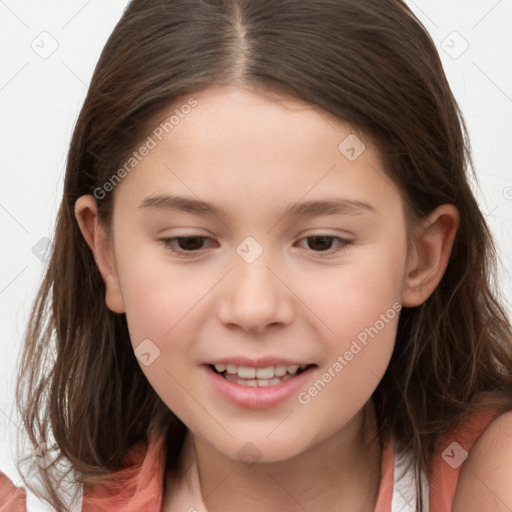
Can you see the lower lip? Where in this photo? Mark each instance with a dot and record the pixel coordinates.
(256, 397)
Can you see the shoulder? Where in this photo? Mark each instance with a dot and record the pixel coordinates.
(12, 498)
(485, 480)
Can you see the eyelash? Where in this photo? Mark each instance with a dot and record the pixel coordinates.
(168, 244)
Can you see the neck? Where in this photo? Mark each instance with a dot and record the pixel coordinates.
(340, 473)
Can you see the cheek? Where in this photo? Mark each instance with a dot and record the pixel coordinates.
(352, 296)
(358, 343)
(160, 302)
(358, 310)
(163, 301)
(157, 293)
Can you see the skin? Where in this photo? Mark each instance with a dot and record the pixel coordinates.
(255, 155)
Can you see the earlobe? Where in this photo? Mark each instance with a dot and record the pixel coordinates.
(430, 254)
(94, 233)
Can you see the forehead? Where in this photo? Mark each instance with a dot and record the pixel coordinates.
(249, 146)
(251, 116)
(239, 125)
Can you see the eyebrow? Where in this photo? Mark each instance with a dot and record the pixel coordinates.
(301, 209)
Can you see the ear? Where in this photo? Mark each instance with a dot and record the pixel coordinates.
(96, 236)
(429, 255)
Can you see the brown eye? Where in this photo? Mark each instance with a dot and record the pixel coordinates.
(320, 243)
(184, 244)
(324, 243)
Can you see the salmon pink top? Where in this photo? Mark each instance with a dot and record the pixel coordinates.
(139, 486)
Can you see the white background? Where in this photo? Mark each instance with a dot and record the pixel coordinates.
(40, 100)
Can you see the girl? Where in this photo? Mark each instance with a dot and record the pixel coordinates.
(271, 284)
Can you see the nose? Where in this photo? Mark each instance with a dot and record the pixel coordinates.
(255, 297)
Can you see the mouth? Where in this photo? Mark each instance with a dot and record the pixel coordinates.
(259, 377)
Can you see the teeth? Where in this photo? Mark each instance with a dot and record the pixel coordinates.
(246, 373)
(258, 383)
(257, 374)
(230, 368)
(264, 373)
(280, 370)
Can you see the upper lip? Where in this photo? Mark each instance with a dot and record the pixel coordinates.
(262, 362)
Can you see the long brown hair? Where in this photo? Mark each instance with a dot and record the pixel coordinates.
(370, 63)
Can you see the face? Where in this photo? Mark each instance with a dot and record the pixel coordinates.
(267, 277)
